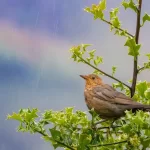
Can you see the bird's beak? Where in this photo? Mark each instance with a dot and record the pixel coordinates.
(83, 76)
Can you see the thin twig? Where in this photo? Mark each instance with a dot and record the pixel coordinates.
(135, 70)
(103, 72)
(108, 22)
(108, 144)
(40, 132)
(113, 127)
(100, 122)
(140, 69)
(63, 144)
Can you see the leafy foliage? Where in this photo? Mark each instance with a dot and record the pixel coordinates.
(133, 48)
(73, 130)
(76, 130)
(146, 17)
(130, 5)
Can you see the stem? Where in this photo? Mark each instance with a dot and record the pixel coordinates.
(104, 72)
(140, 69)
(63, 144)
(99, 122)
(113, 127)
(108, 144)
(108, 22)
(135, 70)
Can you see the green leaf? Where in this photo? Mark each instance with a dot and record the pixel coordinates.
(84, 46)
(84, 140)
(145, 18)
(147, 65)
(15, 116)
(69, 110)
(117, 32)
(123, 33)
(97, 10)
(56, 135)
(118, 85)
(31, 115)
(130, 5)
(141, 88)
(87, 9)
(146, 143)
(115, 22)
(98, 60)
(125, 4)
(113, 13)
(98, 14)
(133, 48)
(97, 72)
(92, 53)
(102, 5)
(113, 70)
(147, 93)
(148, 55)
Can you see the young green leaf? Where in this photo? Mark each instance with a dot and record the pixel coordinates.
(148, 55)
(56, 135)
(97, 10)
(92, 53)
(98, 60)
(141, 88)
(147, 93)
(147, 65)
(118, 85)
(113, 70)
(102, 5)
(113, 13)
(131, 4)
(133, 48)
(116, 22)
(15, 116)
(145, 18)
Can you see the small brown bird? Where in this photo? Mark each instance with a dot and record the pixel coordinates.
(106, 101)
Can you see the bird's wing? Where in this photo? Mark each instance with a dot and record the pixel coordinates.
(108, 93)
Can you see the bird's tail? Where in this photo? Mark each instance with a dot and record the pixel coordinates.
(134, 108)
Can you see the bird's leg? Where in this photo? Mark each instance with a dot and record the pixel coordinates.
(104, 120)
(99, 122)
(112, 126)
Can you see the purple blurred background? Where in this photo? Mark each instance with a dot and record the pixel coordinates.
(35, 69)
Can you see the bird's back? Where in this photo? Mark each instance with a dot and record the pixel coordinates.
(110, 103)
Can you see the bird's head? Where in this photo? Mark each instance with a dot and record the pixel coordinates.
(92, 80)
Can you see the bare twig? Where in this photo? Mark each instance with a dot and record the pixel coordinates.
(140, 69)
(108, 144)
(103, 72)
(135, 71)
(108, 22)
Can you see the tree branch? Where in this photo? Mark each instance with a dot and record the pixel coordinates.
(108, 144)
(103, 72)
(135, 70)
(108, 22)
(63, 144)
(113, 127)
(140, 69)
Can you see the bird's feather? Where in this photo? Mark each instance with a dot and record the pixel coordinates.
(107, 93)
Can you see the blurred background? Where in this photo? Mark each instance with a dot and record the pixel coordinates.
(35, 65)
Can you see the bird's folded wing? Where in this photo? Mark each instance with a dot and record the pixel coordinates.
(108, 93)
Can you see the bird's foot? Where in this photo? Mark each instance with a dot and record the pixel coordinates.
(99, 122)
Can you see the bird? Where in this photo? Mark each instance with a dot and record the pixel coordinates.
(107, 102)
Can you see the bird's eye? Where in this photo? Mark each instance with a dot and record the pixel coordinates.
(93, 78)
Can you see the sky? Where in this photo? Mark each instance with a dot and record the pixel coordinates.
(35, 65)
